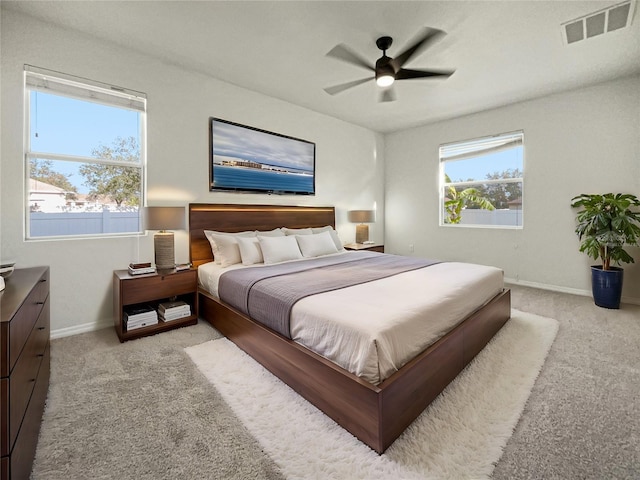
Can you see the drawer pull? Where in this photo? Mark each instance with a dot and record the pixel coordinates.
(39, 303)
(41, 328)
(43, 280)
(40, 355)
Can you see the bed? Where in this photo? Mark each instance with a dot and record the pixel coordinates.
(376, 413)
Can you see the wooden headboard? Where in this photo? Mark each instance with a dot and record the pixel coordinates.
(237, 218)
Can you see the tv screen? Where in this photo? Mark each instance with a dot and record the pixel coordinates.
(247, 159)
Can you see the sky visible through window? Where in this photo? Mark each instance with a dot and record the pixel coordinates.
(478, 167)
(76, 127)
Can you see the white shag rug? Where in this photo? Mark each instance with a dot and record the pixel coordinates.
(461, 435)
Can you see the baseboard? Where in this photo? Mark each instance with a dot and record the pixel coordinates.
(544, 286)
(77, 329)
(557, 288)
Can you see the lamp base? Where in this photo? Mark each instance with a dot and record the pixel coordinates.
(164, 250)
(362, 233)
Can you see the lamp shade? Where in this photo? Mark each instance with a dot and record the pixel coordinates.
(362, 216)
(165, 218)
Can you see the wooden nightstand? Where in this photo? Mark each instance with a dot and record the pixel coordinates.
(152, 289)
(372, 247)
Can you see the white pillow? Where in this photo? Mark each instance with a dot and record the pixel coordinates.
(297, 231)
(279, 249)
(334, 235)
(316, 244)
(227, 251)
(276, 232)
(250, 250)
(214, 247)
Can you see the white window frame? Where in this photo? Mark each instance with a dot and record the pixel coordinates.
(57, 83)
(465, 149)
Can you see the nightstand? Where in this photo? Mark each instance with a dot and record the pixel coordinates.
(152, 289)
(372, 247)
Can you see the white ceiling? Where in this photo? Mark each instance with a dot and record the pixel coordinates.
(503, 51)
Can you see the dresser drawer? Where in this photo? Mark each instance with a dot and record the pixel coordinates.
(139, 290)
(4, 419)
(23, 322)
(24, 449)
(42, 289)
(24, 375)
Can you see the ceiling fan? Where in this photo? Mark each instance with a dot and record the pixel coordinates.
(387, 70)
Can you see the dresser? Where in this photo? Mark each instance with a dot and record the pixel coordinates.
(24, 367)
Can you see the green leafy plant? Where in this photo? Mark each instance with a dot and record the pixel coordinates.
(457, 200)
(606, 224)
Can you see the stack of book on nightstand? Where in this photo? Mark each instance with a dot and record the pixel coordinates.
(168, 311)
(138, 316)
(141, 268)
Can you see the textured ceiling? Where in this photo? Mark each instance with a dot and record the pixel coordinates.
(503, 51)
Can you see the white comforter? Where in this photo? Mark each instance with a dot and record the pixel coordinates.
(373, 329)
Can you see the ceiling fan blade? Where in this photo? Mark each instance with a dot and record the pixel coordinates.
(426, 37)
(344, 86)
(388, 95)
(405, 73)
(341, 52)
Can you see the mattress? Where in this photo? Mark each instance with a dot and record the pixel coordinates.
(375, 328)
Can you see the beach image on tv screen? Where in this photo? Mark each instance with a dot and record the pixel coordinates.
(247, 159)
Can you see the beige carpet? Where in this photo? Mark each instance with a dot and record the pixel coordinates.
(582, 420)
(461, 435)
(141, 410)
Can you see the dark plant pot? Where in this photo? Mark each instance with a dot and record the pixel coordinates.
(606, 286)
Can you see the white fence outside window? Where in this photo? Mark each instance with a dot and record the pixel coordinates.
(503, 218)
(82, 223)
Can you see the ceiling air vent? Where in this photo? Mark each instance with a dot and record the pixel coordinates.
(603, 21)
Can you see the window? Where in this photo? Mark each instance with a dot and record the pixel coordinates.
(85, 157)
(481, 181)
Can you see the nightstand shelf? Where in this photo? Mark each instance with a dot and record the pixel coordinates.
(153, 289)
(372, 247)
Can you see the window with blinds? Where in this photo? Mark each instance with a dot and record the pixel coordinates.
(481, 181)
(84, 156)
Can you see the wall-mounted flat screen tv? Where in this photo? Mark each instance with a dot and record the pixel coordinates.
(247, 159)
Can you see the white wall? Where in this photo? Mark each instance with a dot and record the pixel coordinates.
(583, 141)
(349, 161)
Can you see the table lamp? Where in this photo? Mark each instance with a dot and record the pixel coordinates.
(361, 217)
(164, 219)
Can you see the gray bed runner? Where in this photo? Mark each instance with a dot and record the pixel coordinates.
(267, 294)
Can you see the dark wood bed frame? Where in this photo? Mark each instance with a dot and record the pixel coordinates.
(376, 415)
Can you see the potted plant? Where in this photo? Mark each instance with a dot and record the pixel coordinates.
(606, 225)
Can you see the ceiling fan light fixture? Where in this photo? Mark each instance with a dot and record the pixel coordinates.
(385, 80)
(385, 74)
